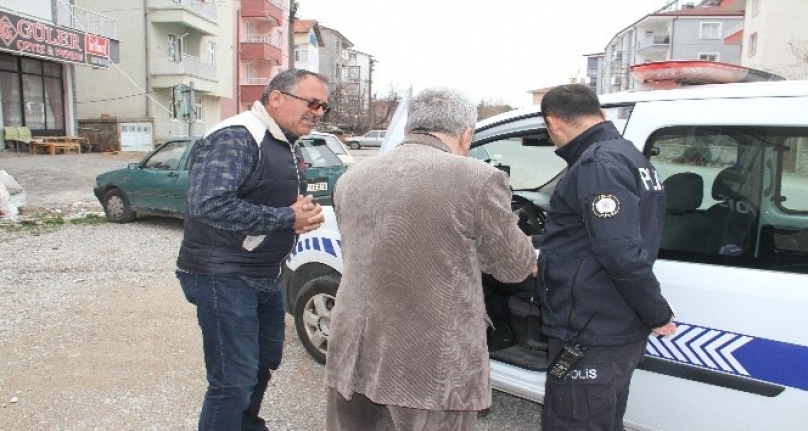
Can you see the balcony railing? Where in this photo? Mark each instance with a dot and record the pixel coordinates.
(267, 38)
(189, 65)
(254, 81)
(205, 9)
(652, 40)
(68, 15)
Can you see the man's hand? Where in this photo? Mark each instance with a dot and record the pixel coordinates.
(308, 215)
(665, 331)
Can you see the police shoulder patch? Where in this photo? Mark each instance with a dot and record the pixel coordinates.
(605, 206)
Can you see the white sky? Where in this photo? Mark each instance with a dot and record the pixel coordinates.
(496, 50)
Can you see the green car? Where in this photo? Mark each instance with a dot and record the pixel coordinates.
(158, 184)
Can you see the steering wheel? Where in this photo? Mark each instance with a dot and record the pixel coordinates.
(531, 216)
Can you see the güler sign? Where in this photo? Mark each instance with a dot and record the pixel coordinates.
(25, 36)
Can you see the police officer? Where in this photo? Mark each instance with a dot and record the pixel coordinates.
(599, 295)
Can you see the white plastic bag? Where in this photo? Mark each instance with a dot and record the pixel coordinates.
(7, 209)
(14, 189)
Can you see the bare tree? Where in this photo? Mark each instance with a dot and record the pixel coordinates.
(486, 108)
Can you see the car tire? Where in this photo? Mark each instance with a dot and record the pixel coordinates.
(354, 145)
(312, 314)
(116, 207)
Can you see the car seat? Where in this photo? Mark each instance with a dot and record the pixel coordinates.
(733, 217)
(685, 229)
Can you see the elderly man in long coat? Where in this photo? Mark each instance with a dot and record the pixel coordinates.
(419, 225)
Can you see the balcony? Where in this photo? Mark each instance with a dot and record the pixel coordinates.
(262, 47)
(251, 88)
(263, 9)
(70, 16)
(166, 73)
(654, 43)
(196, 14)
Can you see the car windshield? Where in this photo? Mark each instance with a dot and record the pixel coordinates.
(317, 154)
(333, 143)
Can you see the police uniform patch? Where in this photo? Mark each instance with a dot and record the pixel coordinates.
(605, 206)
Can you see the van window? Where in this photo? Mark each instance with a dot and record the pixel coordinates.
(528, 159)
(737, 196)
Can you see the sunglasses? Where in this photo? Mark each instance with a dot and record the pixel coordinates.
(313, 104)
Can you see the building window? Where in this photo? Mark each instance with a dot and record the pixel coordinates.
(708, 56)
(353, 73)
(352, 56)
(710, 30)
(198, 109)
(32, 94)
(755, 7)
(301, 52)
(173, 53)
(212, 52)
(753, 39)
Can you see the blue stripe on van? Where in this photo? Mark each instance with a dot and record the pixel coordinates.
(737, 354)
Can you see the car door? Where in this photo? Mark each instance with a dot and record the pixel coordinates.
(740, 290)
(157, 178)
(180, 192)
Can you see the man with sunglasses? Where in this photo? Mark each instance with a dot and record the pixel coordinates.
(245, 208)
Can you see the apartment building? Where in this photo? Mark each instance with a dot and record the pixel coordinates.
(773, 36)
(689, 33)
(308, 42)
(44, 44)
(186, 65)
(263, 47)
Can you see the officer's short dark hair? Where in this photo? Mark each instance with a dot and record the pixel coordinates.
(570, 103)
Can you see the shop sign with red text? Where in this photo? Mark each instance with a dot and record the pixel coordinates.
(39, 39)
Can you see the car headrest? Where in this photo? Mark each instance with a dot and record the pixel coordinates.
(727, 185)
(685, 191)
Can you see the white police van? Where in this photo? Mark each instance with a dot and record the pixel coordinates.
(733, 262)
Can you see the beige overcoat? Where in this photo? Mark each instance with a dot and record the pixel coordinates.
(418, 225)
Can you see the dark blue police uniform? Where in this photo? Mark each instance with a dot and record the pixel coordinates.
(597, 285)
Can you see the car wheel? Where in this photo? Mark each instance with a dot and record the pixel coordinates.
(312, 315)
(354, 145)
(117, 208)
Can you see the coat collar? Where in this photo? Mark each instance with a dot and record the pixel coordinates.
(429, 140)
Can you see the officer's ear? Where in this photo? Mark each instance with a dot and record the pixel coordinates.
(603, 115)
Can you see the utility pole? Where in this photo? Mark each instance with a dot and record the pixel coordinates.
(370, 94)
(292, 12)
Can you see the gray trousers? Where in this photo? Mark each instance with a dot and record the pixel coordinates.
(361, 414)
(593, 396)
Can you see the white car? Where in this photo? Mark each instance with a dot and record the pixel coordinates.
(335, 145)
(373, 138)
(733, 263)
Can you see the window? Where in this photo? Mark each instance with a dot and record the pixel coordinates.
(198, 110)
(735, 195)
(352, 56)
(31, 94)
(528, 159)
(212, 52)
(167, 157)
(301, 52)
(753, 39)
(353, 73)
(755, 7)
(710, 30)
(709, 56)
(316, 153)
(173, 54)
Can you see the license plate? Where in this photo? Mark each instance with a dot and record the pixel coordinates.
(317, 187)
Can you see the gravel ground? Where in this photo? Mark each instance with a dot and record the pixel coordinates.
(96, 335)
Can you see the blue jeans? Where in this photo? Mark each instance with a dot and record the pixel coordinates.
(242, 337)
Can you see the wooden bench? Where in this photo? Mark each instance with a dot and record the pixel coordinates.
(52, 144)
